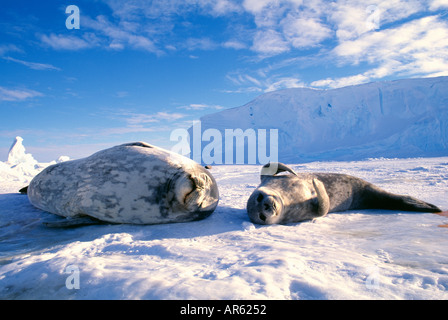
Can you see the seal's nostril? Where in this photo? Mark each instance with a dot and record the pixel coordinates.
(262, 217)
(260, 197)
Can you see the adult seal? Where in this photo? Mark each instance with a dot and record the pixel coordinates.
(134, 183)
(298, 197)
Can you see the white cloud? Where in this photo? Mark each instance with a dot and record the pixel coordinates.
(125, 130)
(252, 80)
(138, 122)
(263, 83)
(17, 94)
(410, 41)
(416, 48)
(133, 10)
(304, 32)
(199, 44)
(244, 90)
(234, 44)
(351, 19)
(5, 48)
(256, 6)
(438, 4)
(284, 25)
(149, 25)
(341, 82)
(116, 45)
(201, 106)
(269, 42)
(136, 119)
(33, 65)
(222, 7)
(141, 42)
(62, 42)
(285, 83)
(168, 116)
(402, 42)
(118, 36)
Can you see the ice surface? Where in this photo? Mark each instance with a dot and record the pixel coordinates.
(363, 254)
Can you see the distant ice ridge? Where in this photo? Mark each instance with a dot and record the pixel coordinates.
(22, 166)
(18, 155)
(393, 119)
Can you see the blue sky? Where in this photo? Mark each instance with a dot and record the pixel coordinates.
(136, 70)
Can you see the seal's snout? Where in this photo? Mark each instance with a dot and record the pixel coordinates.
(264, 208)
(195, 192)
(267, 205)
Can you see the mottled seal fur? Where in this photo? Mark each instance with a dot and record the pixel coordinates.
(296, 197)
(133, 183)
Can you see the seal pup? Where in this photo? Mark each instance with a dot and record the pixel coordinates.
(135, 183)
(298, 197)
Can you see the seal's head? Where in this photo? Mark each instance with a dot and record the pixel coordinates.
(265, 206)
(197, 192)
(286, 198)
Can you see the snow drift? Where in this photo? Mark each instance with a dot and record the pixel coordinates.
(404, 118)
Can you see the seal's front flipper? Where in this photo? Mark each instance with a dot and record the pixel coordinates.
(73, 222)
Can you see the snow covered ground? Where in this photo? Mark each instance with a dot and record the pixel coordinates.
(368, 254)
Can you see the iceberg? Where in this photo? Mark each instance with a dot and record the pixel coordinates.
(391, 119)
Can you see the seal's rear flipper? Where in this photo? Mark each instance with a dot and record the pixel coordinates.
(73, 222)
(412, 204)
(24, 190)
(375, 198)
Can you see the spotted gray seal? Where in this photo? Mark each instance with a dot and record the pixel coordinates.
(298, 197)
(134, 183)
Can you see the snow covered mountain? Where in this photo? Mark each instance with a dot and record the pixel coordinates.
(403, 118)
